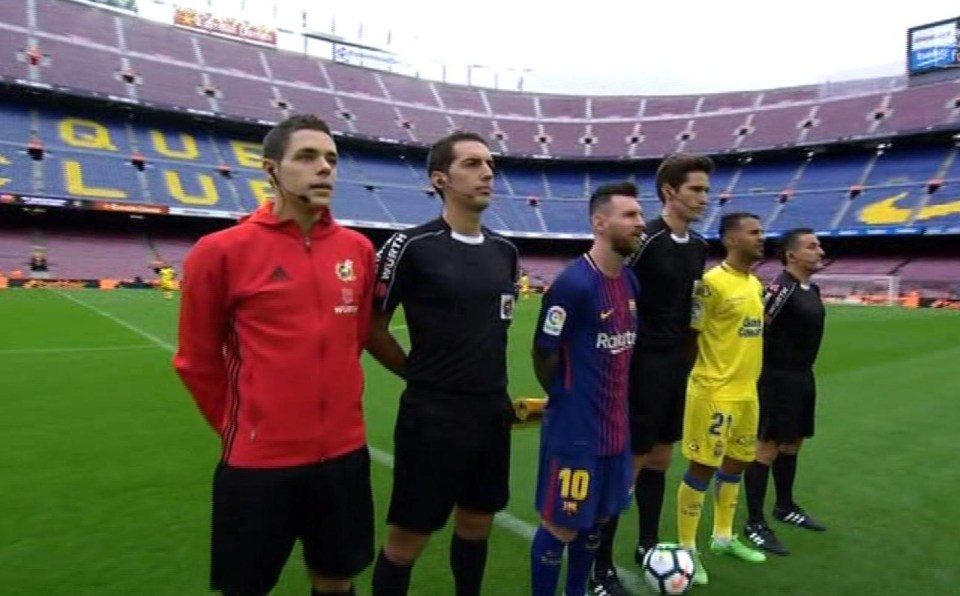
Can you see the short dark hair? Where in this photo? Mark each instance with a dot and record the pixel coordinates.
(674, 168)
(605, 192)
(790, 240)
(441, 155)
(731, 221)
(276, 141)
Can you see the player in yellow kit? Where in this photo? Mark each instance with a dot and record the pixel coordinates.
(722, 409)
(168, 281)
(525, 289)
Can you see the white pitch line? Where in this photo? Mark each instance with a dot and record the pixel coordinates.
(66, 350)
(148, 336)
(505, 520)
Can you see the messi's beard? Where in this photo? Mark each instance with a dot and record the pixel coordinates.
(624, 246)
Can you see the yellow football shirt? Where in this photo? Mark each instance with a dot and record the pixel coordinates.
(167, 274)
(728, 313)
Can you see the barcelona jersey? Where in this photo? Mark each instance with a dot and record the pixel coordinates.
(591, 320)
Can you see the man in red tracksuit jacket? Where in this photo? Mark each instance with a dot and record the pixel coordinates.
(275, 314)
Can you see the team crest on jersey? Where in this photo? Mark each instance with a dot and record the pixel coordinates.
(345, 270)
(507, 303)
(632, 304)
(554, 320)
(570, 507)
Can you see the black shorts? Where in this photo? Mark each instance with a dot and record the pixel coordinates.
(658, 391)
(788, 401)
(259, 513)
(446, 455)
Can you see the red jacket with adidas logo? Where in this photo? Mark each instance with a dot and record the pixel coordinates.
(272, 326)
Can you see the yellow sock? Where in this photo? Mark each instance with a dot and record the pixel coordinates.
(689, 505)
(725, 505)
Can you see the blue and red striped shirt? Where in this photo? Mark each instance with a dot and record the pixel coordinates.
(591, 320)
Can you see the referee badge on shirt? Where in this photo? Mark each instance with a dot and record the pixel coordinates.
(507, 302)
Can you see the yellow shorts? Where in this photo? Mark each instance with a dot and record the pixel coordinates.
(168, 287)
(714, 429)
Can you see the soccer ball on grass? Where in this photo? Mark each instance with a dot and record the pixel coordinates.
(668, 569)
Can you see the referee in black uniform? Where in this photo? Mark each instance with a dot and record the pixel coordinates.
(670, 259)
(792, 335)
(457, 283)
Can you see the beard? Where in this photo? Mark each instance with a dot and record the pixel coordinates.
(625, 246)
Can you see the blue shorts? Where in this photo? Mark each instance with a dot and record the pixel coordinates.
(575, 491)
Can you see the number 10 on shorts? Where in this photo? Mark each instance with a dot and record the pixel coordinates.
(574, 484)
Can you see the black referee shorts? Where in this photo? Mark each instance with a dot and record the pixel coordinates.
(788, 400)
(259, 513)
(658, 391)
(447, 455)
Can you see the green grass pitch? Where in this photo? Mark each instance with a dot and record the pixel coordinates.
(105, 464)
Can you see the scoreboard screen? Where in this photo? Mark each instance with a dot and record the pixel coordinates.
(933, 47)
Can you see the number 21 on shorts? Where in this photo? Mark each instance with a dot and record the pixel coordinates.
(719, 420)
(574, 484)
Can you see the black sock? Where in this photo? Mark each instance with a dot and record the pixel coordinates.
(604, 558)
(350, 592)
(390, 579)
(649, 493)
(755, 480)
(784, 473)
(468, 559)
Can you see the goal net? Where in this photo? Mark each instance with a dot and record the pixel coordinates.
(883, 290)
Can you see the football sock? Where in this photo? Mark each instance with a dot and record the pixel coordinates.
(725, 505)
(580, 555)
(784, 473)
(390, 579)
(468, 558)
(755, 481)
(649, 493)
(689, 505)
(608, 531)
(546, 554)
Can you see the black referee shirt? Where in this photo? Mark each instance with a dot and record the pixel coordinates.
(458, 296)
(667, 268)
(794, 323)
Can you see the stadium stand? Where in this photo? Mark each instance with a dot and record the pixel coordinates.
(210, 169)
(175, 68)
(88, 156)
(15, 248)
